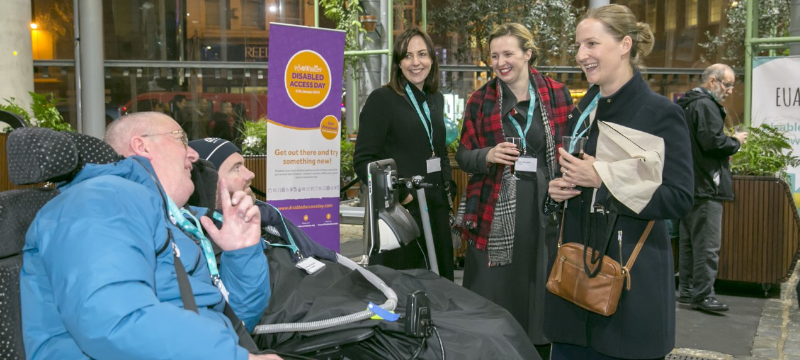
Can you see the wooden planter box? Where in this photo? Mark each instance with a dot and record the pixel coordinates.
(760, 232)
(258, 165)
(5, 183)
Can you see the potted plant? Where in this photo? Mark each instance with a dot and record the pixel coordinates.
(254, 150)
(346, 171)
(761, 227)
(346, 15)
(44, 112)
(767, 152)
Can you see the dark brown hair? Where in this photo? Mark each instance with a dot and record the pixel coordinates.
(398, 81)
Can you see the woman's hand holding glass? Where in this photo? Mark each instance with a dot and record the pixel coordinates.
(561, 190)
(579, 172)
(504, 153)
(575, 172)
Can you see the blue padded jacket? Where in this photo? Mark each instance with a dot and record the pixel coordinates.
(93, 287)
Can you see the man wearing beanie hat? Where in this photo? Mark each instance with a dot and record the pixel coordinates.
(228, 161)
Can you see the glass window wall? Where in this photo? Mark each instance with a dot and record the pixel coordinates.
(160, 51)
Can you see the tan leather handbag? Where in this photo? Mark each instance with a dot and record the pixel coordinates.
(600, 293)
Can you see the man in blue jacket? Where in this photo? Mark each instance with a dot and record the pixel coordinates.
(701, 229)
(99, 279)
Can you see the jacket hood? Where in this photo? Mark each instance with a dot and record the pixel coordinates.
(134, 168)
(694, 95)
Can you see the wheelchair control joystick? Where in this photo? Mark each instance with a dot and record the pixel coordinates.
(418, 315)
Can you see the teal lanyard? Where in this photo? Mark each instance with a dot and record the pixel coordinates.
(179, 215)
(531, 109)
(428, 129)
(584, 115)
(292, 246)
(180, 218)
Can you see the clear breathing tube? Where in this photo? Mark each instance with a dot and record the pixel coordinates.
(389, 305)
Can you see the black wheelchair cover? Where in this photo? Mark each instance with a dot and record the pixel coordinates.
(470, 326)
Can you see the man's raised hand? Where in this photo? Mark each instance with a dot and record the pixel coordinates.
(241, 226)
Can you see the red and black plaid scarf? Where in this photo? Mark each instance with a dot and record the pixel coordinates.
(483, 128)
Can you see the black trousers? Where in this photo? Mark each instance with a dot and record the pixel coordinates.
(700, 241)
(442, 238)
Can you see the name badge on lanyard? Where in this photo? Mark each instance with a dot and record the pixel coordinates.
(434, 164)
(526, 164)
(524, 134)
(310, 265)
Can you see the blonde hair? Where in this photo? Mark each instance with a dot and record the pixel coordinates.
(520, 32)
(619, 21)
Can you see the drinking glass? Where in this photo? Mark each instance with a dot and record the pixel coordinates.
(518, 143)
(574, 145)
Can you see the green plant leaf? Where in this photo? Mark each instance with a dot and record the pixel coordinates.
(346, 159)
(253, 137)
(767, 152)
(44, 112)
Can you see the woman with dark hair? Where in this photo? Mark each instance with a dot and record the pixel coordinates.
(404, 121)
(613, 212)
(503, 217)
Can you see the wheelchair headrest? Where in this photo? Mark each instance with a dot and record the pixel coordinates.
(38, 154)
(204, 177)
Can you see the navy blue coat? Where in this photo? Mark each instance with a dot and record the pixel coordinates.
(644, 324)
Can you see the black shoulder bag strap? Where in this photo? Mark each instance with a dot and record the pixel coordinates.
(187, 296)
(185, 288)
(598, 250)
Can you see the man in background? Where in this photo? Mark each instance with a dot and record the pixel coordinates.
(181, 115)
(222, 122)
(701, 230)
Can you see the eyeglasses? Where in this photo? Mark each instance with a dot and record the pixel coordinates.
(728, 86)
(184, 139)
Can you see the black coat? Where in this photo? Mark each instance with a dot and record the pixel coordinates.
(644, 324)
(391, 129)
(711, 147)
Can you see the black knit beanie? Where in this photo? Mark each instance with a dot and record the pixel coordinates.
(215, 150)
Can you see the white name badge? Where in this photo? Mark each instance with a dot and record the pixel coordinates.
(310, 265)
(434, 164)
(526, 163)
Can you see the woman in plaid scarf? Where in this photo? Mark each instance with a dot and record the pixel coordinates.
(503, 218)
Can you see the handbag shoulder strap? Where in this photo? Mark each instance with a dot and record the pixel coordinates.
(561, 230)
(635, 252)
(639, 245)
